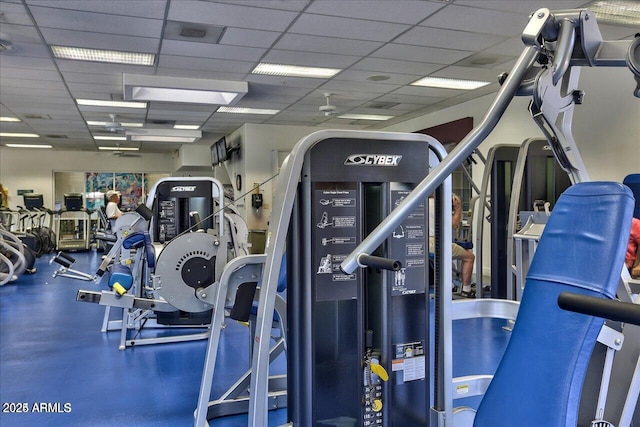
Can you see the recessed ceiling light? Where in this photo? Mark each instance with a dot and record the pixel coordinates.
(446, 83)
(364, 117)
(114, 104)
(295, 71)
(118, 148)
(187, 127)
(19, 135)
(241, 110)
(123, 124)
(100, 55)
(109, 138)
(29, 145)
(9, 119)
(621, 12)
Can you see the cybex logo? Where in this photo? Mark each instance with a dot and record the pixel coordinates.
(182, 188)
(373, 160)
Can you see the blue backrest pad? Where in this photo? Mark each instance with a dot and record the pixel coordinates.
(587, 232)
(540, 377)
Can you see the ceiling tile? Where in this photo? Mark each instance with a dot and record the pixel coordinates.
(400, 11)
(142, 8)
(478, 20)
(448, 39)
(356, 29)
(207, 50)
(205, 64)
(249, 38)
(391, 65)
(91, 40)
(420, 53)
(312, 59)
(48, 17)
(333, 45)
(242, 16)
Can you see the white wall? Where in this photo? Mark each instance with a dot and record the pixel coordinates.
(255, 166)
(33, 169)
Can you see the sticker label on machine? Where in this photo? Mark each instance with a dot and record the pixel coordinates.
(335, 224)
(167, 220)
(407, 244)
(409, 362)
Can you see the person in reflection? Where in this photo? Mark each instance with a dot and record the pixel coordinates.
(458, 253)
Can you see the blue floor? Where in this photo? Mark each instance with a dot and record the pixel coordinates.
(52, 352)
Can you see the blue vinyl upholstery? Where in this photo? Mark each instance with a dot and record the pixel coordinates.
(540, 377)
(121, 274)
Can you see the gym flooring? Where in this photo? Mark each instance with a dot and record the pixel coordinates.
(58, 369)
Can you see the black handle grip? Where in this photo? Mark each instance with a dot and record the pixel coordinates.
(66, 256)
(379, 262)
(608, 309)
(144, 212)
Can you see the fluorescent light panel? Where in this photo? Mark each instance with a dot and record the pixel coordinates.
(182, 89)
(159, 138)
(241, 110)
(19, 135)
(163, 135)
(100, 55)
(621, 12)
(123, 124)
(9, 119)
(29, 145)
(186, 127)
(365, 117)
(114, 104)
(447, 83)
(118, 148)
(109, 138)
(295, 71)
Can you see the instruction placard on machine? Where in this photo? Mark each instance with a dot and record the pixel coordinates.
(407, 244)
(335, 227)
(409, 362)
(167, 220)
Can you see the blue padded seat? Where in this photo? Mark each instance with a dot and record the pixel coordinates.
(540, 377)
(121, 274)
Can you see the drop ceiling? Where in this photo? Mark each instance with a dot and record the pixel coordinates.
(401, 40)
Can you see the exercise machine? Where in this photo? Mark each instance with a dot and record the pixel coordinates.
(72, 224)
(555, 45)
(174, 245)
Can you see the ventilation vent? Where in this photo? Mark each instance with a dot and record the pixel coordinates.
(37, 116)
(176, 30)
(56, 136)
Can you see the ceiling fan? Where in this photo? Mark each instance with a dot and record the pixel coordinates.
(328, 109)
(114, 126)
(124, 153)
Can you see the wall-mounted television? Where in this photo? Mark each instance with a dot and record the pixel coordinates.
(219, 152)
(33, 201)
(214, 154)
(73, 201)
